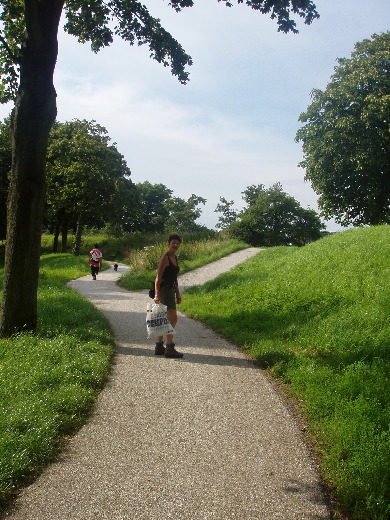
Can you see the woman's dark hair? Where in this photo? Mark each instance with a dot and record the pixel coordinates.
(174, 237)
(97, 246)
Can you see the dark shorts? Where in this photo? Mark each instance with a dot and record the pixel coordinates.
(94, 269)
(168, 297)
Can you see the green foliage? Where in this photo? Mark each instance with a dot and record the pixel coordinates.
(153, 211)
(87, 177)
(281, 10)
(48, 392)
(12, 35)
(346, 140)
(275, 218)
(98, 22)
(5, 169)
(120, 248)
(192, 254)
(183, 213)
(159, 211)
(228, 216)
(317, 318)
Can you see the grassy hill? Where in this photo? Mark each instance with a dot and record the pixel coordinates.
(318, 319)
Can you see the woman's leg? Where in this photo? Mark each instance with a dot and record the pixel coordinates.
(172, 316)
(170, 350)
(159, 349)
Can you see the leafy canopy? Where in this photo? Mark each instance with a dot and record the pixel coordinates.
(159, 211)
(84, 171)
(183, 213)
(98, 21)
(274, 218)
(346, 137)
(5, 168)
(229, 214)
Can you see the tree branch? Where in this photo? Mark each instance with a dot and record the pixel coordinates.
(12, 56)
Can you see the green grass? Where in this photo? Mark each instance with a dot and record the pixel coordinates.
(191, 255)
(121, 248)
(318, 319)
(49, 379)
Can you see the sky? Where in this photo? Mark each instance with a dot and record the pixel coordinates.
(234, 124)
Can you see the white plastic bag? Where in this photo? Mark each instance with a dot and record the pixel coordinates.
(157, 322)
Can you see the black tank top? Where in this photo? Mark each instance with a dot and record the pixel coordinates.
(170, 273)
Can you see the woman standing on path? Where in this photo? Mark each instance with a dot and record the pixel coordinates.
(167, 292)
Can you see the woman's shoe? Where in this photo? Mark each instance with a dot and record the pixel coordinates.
(159, 348)
(171, 352)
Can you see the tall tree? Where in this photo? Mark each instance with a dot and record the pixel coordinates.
(5, 170)
(126, 211)
(274, 218)
(27, 61)
(184, 213)
(346, 137)
(153, 206)
(228, 216)
(84, 174)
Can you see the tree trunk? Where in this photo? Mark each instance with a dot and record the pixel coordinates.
(78, 236)
(64, 236)
(32, 119)
(64, 233)
(56, 235)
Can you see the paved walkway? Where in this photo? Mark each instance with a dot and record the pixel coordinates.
(204, 437)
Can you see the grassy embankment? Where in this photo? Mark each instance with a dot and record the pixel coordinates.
(318, 319)
(192, 254)
(125, 248)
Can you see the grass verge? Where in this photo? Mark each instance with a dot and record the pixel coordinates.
(318, 319)
(50, 378)
(192, 254)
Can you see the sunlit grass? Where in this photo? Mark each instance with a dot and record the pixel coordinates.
(49, 379)
(121, 248)
(191, 255)
(318, 319)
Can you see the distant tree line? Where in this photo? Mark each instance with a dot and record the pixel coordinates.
(346, 145)
(89, 186)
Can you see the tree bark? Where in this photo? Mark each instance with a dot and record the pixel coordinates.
(32, 118)
(55, 239)
(64, 234)
(78, 236)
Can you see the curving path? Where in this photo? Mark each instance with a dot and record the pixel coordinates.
(206, 437)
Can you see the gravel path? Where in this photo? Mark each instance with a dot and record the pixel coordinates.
(204, 437)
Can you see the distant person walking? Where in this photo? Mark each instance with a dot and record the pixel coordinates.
(95, 260)
(167, 292)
